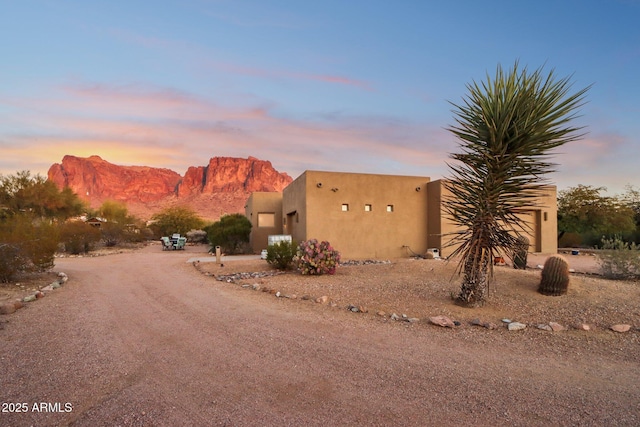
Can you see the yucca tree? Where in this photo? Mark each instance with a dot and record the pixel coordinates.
(507, 128)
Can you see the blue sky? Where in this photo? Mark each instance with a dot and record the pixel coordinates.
(356, 86)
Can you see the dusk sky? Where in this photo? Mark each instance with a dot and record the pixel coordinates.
(352, 86)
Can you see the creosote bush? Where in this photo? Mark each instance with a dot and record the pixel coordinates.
(281, 254)
(317, 258)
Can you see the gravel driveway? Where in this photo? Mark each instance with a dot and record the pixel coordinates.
(144, 339)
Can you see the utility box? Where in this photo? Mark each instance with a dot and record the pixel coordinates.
(435, 252)
(276, 238)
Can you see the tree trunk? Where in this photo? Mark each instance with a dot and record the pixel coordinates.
(476, 279)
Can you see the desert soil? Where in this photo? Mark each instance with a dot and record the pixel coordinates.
(147, 338)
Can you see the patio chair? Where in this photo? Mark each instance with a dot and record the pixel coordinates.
(166, 243)
(181, 242)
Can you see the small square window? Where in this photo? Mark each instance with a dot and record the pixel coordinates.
(367, 208)
(345, 207)
(389, 208)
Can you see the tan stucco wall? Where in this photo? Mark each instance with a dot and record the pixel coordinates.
(357, 233)
(263, 202)
(294, 209)
(542, 221)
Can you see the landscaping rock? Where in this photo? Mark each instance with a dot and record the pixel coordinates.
(7, 308)
(544, 327)
(516, 326)
(556, 327)
(443, 321)
(621, 328)
(322, 300)
(29, 298)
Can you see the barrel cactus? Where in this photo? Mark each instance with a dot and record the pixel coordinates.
(520, 253)
(555, 276)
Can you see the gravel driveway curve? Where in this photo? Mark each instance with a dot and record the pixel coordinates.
(143, 339)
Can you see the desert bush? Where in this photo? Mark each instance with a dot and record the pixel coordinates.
(317, 258)
(10, 261)
(619, 259)
(281, 254)
(231, 233)
(78, 237)
(197, 236)
(28, 244)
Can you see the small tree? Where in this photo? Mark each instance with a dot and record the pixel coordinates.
(506, 127)
(231, 232)
(176, 220)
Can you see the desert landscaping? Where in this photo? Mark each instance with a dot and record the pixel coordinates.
(146, 337)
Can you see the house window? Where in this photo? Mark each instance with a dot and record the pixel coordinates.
(367, 208)
(389, 208)
(266, 219)
(545, 216)
(345, 207)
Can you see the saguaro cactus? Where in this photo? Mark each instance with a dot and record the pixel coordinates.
(520, 253)
(555, 276)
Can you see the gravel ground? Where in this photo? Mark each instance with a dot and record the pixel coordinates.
(145, 338)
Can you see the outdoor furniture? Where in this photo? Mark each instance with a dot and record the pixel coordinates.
(180, 243)
(166, 244)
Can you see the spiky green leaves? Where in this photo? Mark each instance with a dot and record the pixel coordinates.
(507, 127)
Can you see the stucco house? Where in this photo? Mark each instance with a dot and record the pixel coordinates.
(374, 216)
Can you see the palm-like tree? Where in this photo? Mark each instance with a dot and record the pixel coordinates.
(507, 128)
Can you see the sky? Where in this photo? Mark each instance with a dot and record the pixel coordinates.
(351, 86)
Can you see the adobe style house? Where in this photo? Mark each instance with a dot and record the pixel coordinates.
(374, 216)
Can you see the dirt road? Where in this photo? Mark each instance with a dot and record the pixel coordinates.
(144, 339)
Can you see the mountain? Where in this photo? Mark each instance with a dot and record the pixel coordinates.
(221, 187)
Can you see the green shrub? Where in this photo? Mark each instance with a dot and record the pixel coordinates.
(79, 237)
(618, 259)
(10, 261)
(281, 254)
(231, 233)
(317, 258)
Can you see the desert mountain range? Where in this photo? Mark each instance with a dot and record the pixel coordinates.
(221, 187)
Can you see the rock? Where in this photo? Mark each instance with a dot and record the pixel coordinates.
(277, 294)
(293, 296)
(490, 326)
(413, 320)
(556, 327)
(29, 298)
(353, 308)
(55, 285)
(246, 285)
(544, 327)
(322, 300)
(39, 295)
(516, 326)
(255, 287)
(395, 316)
(506, 320)
(443, 321)
(363, 309)
(584, 327)
(7, 308)
(620, 328)
(476, 322)
(305, 297)
(381, 314)
(455, 322)
(47, 288)
(18, 304)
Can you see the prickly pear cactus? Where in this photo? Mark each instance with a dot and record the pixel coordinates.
(520, 253)
(555, 276)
